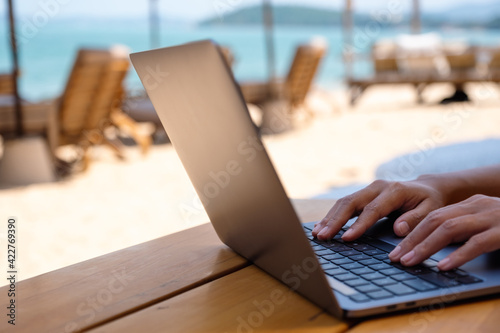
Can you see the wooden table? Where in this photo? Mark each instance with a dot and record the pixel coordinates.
(191, 282)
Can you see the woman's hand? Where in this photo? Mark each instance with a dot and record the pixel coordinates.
(475, 220)
(414, 199)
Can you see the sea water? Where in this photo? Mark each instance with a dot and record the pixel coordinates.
(47, 52)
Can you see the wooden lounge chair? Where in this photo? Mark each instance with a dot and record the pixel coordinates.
(494, 65)
(90, 104)
(384, 57)
(458, 66)
(462, 62)
(293, 90)
(302, 72)
(297, 83)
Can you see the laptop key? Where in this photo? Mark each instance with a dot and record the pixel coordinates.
(381, 256)
(338, 270)
(361, 271)
(336, 247)
(370, 261)
(344, 277)
(360, 246)
(323, 261)
(380, 294)
(460, 272)
(332, 256)
(356, 282)
(359, 257)
(374, 252)
(350, 253)
(352, 266)
(420, 285)
(429, 263)
(329, 265)
(342, 261)
(402, 276)
(391, 271)
(321, 242)
(401, 289)
(340, 248)
(333, 271)
(340, 286)
(386, 247)
(416, 270)
(439, 279)
(323, 253)
(380, 266)
(373, 276)
(360, 298)
(368, 288)
(384, 282)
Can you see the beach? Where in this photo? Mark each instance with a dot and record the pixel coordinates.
(116, 204)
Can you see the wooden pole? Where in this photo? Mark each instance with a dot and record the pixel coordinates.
(154, 24)
(415, 21)
(15, 71)
(268, 27)
(347, 31)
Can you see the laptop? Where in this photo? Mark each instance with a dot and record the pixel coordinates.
(206, 118)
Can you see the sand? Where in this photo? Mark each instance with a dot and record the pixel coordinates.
(116, 204)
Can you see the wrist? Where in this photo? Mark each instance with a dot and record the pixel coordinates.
(451, 187)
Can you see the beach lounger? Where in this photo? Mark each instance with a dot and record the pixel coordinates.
(292, 91)
(494, 65)
(91, 103)
(455, 64)
(297, 83)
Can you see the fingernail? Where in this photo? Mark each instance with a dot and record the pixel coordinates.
(347, 234)
(406, 259)
(444, 264)
(403, 228)
(323, 232)
(394, 254)
(316, 228)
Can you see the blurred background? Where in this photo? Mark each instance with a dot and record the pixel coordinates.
(392, 89)
(50, 32)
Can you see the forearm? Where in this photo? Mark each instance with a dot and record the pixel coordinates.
(460, 185)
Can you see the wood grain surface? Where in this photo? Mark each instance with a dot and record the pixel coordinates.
(246, 301)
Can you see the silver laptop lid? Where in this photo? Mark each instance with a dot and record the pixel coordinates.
(205, 116)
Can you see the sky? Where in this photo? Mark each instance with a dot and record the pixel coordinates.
(191, 10)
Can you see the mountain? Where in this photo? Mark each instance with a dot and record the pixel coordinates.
(465, 16)
(282, 15)
(476, 13)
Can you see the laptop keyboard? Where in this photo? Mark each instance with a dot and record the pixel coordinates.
(363, 271)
